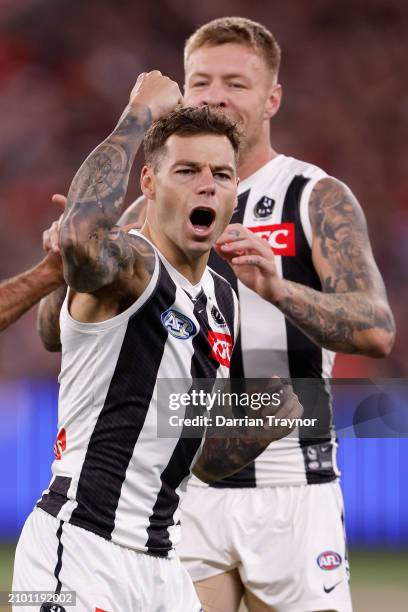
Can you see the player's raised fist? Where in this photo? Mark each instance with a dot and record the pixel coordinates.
(158, 92)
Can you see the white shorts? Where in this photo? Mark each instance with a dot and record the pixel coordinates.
(288, 543)
(55, 556)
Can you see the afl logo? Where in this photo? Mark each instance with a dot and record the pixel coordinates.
(264, 208)
(217, 317)
(329, 560)
(177, 324)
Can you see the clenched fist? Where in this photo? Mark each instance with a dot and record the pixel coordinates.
(159, 93)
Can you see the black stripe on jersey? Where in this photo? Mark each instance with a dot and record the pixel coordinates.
(304, 356)
(225, 301)
(178, 468)
(124, 412)
(53, 501)
(246, 476)
(225, 270)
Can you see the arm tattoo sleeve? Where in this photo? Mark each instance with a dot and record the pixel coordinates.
(94, 250)
(353, 305)
(222, 457)
(48, 319)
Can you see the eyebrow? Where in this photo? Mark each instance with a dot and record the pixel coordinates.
(197, 166)
(232, 75)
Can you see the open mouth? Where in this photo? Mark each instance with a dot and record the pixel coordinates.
(202, 219)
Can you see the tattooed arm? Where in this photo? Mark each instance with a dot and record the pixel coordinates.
(48, 319)
(94, 251)
(50, 306)
(135, 214)
(351, 314)
(19, 294)
(228, 449)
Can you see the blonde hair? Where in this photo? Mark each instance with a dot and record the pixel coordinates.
(236, 30)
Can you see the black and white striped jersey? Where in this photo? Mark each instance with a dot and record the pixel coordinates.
(112, 474)
(273, 203)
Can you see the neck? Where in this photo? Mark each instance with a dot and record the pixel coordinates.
(253, 157)
(191, 267)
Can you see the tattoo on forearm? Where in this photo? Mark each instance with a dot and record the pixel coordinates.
(94, 251)
(357, 300)
(228, 449)
(101, 174)
(222, 457)
(332, 320)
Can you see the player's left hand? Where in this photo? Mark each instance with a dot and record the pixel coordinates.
(50, 242)
(251, 259)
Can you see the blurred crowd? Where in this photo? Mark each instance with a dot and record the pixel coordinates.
(67, 67)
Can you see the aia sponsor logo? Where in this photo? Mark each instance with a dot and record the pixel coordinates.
(281, 237)
(177, 324)
(221, 345)
(329, 560)
(60, 444)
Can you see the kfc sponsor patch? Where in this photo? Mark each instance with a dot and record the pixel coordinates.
(281, 237)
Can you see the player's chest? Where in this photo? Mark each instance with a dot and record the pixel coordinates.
(199, 322)
(274, 216)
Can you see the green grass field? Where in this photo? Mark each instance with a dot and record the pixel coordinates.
(379, 579)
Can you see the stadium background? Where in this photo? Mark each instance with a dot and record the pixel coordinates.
(66, 69)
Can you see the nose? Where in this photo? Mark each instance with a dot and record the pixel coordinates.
(206, 183)
(215, 96)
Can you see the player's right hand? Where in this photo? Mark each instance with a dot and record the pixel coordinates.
(289, 407)
(159, 93)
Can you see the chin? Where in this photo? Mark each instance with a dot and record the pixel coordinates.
(198, 249)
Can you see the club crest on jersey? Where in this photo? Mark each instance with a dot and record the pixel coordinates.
(264, 208)
(221, 345)
(177, 324)
(329, 560)
(281, 237)
(60, 444)
(217, 317)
